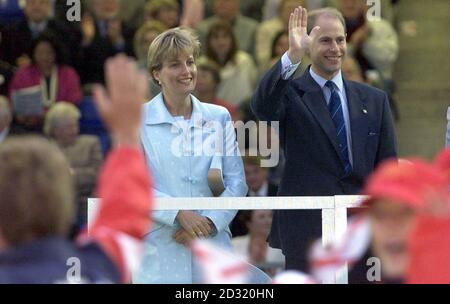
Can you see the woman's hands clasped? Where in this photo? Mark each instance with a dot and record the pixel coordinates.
(193, 225)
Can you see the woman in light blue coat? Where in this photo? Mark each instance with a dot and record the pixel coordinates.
(183, 140)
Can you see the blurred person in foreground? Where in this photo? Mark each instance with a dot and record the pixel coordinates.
(184, 140)
(377, 243)
(37, 208)
(430, 241)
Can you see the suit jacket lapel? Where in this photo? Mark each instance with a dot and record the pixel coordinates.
(359, 123)
(315, 102)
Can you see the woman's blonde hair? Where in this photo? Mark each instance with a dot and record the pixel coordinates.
(59, 110)
(170, 45)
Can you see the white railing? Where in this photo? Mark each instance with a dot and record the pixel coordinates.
(334, 211)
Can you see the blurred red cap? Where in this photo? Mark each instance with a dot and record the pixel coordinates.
(429, 250)
(430, 242)
(442, 161)
(406, 181)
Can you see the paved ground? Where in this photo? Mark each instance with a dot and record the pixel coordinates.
(422, 75)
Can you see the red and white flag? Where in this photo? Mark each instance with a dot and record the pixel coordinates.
(326, 261)
(220, 266)
(293, 277)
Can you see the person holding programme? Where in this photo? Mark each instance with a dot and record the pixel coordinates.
(50, 77)
(175, 128)
(333, 132)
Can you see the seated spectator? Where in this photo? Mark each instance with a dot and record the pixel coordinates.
(267, 30)
(5, 118)
(164, 11)
(142, 40)
(91, 123)
(103, 35)
(143, 37)
(256, 177)
(280, 45)
(351, 70)
(254, 244)
(244, 28)
(373, 43)
(48, 74)
(252, 9)
(18, 37)
(192, 13)
(83, 152)
(258, 184)
(208, 80)
(10, 12)
(237, 69)
(131, 13)
(271, 8)
(36, 209)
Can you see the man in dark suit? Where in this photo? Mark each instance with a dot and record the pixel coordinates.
(17, 37)
(104, 35)
(333, 132)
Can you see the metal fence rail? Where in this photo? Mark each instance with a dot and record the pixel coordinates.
(334, 211)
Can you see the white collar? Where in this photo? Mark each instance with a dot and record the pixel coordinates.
(261, 191)
(337, 79)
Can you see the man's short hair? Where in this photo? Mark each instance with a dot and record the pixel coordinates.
(326, 11)
(36, 191)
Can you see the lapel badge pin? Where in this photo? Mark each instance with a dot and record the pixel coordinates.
(364, 111)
